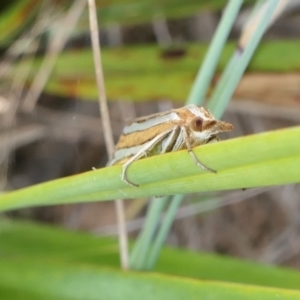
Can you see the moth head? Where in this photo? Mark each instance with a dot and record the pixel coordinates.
(204, 125)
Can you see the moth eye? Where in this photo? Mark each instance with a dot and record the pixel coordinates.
(197, 124)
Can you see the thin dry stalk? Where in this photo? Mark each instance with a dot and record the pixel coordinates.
(108, 137)
(55, 48)
(13, 93)
(23, 43)
(161, 30)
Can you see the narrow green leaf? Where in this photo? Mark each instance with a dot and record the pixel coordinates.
(80, 281)
(129, 76)
(270, 158)
(210, 62)
(182, 262)
(51, 263)
(15, 17)
(239, 62)
(134, 12)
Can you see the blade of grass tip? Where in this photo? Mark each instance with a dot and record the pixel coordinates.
(196, 96)
(240, 60)
(208, 67)
(108, 136)
(143, 242)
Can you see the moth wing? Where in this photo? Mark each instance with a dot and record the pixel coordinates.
(148, 146)
(148, 122)
(148, 117)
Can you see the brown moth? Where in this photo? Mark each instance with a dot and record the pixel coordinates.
(177, 129)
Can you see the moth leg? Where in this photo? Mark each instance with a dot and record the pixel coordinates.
(140, 154)
(127, 164)
(192, 154)
(199, 163)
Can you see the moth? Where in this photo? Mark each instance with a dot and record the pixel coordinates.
(177, 129)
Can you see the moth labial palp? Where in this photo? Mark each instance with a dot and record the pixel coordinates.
(177, 129)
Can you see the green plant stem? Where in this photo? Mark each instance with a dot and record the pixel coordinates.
(142, 244)
(208, 67)
(237, 65)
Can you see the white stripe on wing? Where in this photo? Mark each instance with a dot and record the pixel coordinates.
(140, 126)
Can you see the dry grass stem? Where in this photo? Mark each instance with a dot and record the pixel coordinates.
(108, 137)
(56, 46)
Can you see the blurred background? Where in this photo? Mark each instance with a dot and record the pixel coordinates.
(151, 52)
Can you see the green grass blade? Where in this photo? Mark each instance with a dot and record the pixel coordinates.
(159, 240)
(207, 70)
(274, 160)
(79, 281)
(15, 18)
(44, 262)
(142, 243)
(182, 262)
(237, 66)
(32, 240)
(177, 74)
(121, 12)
